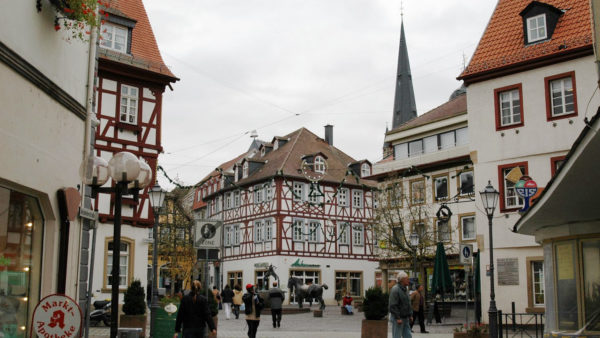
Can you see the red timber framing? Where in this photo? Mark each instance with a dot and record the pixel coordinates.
(142, 138)
(283, 210)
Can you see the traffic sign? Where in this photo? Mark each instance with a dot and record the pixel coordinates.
(466, 253)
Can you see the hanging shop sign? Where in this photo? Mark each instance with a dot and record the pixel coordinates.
(207, 234)
(443, 214)
(56, 316)
(300, 264)
(526, 188)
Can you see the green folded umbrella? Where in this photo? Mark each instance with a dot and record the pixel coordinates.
(441, 282)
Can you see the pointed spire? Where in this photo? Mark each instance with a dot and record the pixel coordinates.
(405, 108)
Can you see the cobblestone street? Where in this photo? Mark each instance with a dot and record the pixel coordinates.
(331, 325)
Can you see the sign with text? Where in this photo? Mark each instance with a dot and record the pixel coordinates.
(508, 271)
(56, 316)
(207, 234)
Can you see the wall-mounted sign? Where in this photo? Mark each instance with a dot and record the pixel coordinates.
(508, 271)
(299, 263)
(466, 253)
(56, 316)
(443, 214)
(526, 188)
(207, 234)
(263, 265)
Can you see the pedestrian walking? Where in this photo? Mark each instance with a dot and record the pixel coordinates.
(347, 303)
(237, 300)
(194, 315)
(217, 296)
(400, 307)
(253, 304)
(227, 299)
(276, 297)
(417, 300)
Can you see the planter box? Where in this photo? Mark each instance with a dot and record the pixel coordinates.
(374, 328)
(134, 321)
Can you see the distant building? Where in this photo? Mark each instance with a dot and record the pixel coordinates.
(131, 80)
(299, 204)
(529, 85)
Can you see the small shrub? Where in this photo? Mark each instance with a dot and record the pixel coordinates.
(375, 304)
(134, 300)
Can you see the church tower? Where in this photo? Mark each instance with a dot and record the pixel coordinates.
(405, 108)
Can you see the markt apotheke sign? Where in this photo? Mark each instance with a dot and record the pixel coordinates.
(56, 316)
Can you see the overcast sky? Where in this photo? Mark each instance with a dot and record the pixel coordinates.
(279, 65)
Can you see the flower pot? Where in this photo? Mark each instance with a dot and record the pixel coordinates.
(134, 321)
(374, 328)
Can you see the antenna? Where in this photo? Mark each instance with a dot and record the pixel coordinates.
(402, 9)
(253, 134)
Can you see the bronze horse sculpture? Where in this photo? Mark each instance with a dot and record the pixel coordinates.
(308, 292)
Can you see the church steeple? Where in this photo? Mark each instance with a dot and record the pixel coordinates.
(405, 108)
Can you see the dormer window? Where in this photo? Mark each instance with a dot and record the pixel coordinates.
(365, 170)
(275, 144)
(245, 170)
(536, 28)
(114, 37)
(319, 165)
(235, 173)
(262, 151)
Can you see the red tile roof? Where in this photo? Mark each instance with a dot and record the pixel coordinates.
(144, 49)
(502, 46)
(454, 107)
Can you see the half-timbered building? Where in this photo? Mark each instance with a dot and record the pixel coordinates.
(131, 80)
(297, 203)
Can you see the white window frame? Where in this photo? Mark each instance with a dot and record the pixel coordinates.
(343, 197)
(312, 231)
(268, 229)
(344, 233)
(245, 170)
(460, 189)
(319, 165)
(236, 234)
(358, 234)
(540, 283)
(228, 200)
(298, 230)
(128, 106)
(513, 111)
(510, 192)
(123, 277)
(236, 198)
(109, 34)
(435, 190)
(316, 197)
(258, 194)
(533, 28)
(562, 96)
(365, 170)
(462, 227)
(268, 188)
(298, 191)
(258, 232)
(357, 198)
(228, 234)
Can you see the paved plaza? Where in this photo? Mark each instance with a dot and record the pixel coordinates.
(305, 325)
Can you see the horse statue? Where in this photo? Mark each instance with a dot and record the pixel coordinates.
(308, 292)
(271, 273)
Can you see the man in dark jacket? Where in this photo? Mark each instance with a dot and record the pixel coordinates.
(194, 314)
(417, 299)
(253, 304)
(227, 299)
(400, 307)
(276, 297)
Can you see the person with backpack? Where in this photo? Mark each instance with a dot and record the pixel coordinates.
(194, 315)
(253, 304)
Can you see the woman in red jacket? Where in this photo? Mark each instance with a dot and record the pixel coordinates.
(347, 303)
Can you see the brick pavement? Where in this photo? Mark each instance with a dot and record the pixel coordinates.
(331, 325)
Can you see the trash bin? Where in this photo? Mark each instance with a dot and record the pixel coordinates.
(125, 332)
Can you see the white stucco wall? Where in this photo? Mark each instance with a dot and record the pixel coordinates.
(535, 143)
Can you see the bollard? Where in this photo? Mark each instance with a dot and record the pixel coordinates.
(514, 317)
(500, 326)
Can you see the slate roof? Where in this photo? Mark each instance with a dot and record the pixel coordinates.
(454, 107)
(144, 49)
(287, 159)
(502, 45)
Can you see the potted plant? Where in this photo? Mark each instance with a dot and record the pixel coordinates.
(375, 307)
(77, 17)
(474, 330)
(134, 307)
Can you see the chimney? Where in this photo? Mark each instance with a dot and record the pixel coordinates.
(329, 134)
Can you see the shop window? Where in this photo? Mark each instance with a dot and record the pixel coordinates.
(125, 262)
(417, 191)
(440, 188)
(260, 281)
(306, 277)
(508, 107)
(348, 281)
(566, 287)
(21, 229)
(590, 251)
(235, 278)
(391, 279)
(561, 97)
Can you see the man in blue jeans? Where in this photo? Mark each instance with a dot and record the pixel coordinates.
(400, 307)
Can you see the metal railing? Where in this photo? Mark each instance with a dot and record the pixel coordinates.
(521, 324)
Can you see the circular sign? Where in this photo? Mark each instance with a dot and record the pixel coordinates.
(444, 213)
(466, 252)
(56, 316)
(208, 231)
(526, 188)
(308, 170)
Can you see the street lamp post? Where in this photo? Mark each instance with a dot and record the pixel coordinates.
(157, 198)
(414, 242)
(489, 198)
(129, 174)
